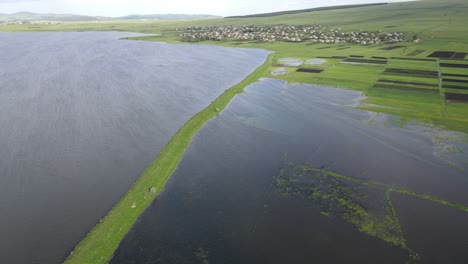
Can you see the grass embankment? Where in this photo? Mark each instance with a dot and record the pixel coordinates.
(102, 241)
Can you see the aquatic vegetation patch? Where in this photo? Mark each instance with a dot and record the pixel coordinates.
(365, 204)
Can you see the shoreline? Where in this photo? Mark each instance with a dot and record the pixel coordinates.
(99, 245)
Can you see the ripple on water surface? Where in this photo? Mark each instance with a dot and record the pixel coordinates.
(82, 115)
(225, 203)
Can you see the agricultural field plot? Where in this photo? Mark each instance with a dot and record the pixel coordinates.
(413, 64)
(455, 82)
(449, 55)
(309, 70)
(454, 65)
(406, 104)
(415, 53)
(361, 60)
(457, 111)
(410, 75)
(456, 97)
(360, 75)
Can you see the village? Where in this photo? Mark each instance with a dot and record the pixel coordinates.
(317, 34)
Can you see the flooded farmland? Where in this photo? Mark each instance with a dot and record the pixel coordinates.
(296, 174)
(82, 115)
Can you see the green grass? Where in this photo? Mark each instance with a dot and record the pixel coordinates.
(454, 70)
(413, 65)
(99, 245)
(409, 79)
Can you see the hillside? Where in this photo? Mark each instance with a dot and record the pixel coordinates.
(166, 17)
(308, 10)
(28, 16)
(31, 17)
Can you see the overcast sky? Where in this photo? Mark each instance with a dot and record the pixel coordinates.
(126, 7)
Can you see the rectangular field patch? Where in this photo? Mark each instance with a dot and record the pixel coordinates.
(442, 54)
(392, 47)
(416, 73)
(459, 56)
(309, 70)
(406, 88)
(449, 86)
(454, 75)
(349, 60)
(416, 52)
(412, 59)
(454, 65)
(332, 57)
(409, 83)
(456, 97)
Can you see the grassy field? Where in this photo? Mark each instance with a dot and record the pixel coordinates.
(440, 24)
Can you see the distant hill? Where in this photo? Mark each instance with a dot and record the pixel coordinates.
(306, 10)
(28, 16)
(166, 16)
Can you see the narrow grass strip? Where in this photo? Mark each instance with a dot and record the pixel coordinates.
(386, 187)
(102, 241)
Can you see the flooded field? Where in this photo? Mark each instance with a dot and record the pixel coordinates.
(296, 174)
(82, 115)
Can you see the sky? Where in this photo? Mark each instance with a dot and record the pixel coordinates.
(126, 7)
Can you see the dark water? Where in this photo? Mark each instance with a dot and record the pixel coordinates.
(81, 116)
(222, 206)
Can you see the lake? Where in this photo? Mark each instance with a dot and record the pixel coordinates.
(82, 115)
(234, 199)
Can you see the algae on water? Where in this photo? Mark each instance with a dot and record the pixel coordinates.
(366, 207)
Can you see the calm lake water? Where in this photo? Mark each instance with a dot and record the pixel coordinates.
(222, 204)
(81, 116)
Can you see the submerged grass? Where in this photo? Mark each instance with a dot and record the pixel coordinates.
(101, 242)
(363, 203)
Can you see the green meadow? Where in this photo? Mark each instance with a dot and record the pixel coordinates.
(408, 84)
